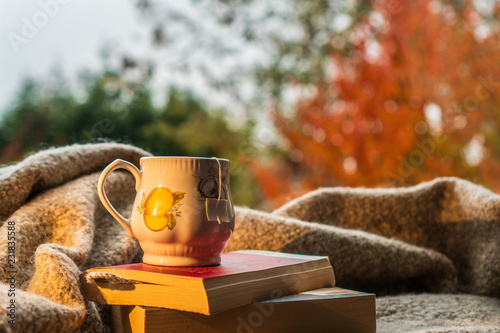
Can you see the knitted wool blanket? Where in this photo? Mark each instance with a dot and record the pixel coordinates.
(430, 252)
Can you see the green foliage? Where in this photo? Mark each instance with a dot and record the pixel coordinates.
(114, 109)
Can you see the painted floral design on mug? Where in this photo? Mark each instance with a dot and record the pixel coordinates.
(208, 186)
(161, 208)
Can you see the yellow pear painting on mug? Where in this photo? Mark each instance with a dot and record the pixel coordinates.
(161, 208)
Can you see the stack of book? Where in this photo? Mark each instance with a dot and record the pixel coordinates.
(251, 291)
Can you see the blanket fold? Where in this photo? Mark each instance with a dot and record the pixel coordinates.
(440, 237)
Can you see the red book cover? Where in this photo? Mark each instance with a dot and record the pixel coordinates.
(243, 277)
(232, 263)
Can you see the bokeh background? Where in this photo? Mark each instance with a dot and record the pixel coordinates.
(297, 94)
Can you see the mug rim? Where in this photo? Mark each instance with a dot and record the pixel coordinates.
(182, 158)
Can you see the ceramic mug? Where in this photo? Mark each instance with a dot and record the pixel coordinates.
(183, 213)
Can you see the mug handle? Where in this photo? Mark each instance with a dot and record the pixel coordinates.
(117, 164)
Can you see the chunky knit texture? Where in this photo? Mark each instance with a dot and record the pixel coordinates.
(439, 241)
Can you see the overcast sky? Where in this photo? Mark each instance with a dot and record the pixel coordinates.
(37, 36)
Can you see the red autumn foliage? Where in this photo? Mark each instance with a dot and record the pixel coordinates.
(416, 97)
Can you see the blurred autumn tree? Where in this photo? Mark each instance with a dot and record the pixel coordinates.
(362, 93)
(409, 91)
